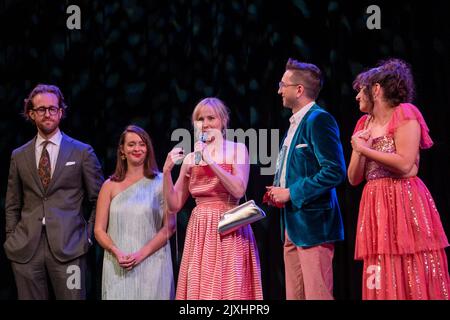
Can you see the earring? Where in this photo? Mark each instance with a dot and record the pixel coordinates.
(122, 156)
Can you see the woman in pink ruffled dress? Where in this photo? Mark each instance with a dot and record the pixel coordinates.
(213, 267)
(400, 236)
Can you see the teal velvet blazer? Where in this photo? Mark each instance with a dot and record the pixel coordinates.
(314, 167)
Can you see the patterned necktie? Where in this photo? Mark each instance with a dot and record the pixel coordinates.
(44, 169)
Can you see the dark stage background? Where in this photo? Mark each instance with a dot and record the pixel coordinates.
(149, 63)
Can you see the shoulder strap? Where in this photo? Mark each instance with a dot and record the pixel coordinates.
(366, 123)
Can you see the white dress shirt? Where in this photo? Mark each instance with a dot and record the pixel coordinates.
(52, 148)
(53, 151)
(295, 121)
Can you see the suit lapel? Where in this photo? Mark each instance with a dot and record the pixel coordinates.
(296, 134)
(65, 150)
(30, 159)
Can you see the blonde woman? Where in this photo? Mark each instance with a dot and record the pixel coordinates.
(213, 266)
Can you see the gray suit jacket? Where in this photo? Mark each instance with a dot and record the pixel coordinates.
(77, 177)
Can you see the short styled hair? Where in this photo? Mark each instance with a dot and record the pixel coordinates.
(306, 74)
(219, 108)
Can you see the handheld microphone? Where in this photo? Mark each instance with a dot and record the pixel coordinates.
(198, 154)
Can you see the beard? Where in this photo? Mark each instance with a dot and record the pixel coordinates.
(288, 103)
(47, 126)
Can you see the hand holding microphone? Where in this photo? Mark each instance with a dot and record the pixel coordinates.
(199, 147)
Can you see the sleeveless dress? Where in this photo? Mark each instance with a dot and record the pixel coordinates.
(400, 236)
(135, 216)
(215, 267)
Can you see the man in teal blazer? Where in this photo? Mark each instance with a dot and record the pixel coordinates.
(310, 166)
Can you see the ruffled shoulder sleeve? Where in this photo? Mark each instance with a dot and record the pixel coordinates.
(360, 124)
(405, 112)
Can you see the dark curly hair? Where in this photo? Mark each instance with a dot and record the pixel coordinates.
(394, 76)
(43, 88)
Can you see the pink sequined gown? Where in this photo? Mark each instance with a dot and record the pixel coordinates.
(216, 267)
(400, 235)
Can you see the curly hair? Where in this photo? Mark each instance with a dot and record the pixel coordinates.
(43, 88)
(394, 76)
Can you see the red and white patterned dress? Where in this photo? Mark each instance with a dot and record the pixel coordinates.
(216, 267)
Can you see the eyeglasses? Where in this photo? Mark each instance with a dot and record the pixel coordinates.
(43, 110)
(281, 84)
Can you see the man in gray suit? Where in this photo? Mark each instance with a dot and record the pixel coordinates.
(49, 177)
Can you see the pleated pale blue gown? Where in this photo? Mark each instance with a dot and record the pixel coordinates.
(136, 215)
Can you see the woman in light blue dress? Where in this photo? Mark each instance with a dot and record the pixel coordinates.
(133, 225)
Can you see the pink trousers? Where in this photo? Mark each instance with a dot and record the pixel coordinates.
(308, 271)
